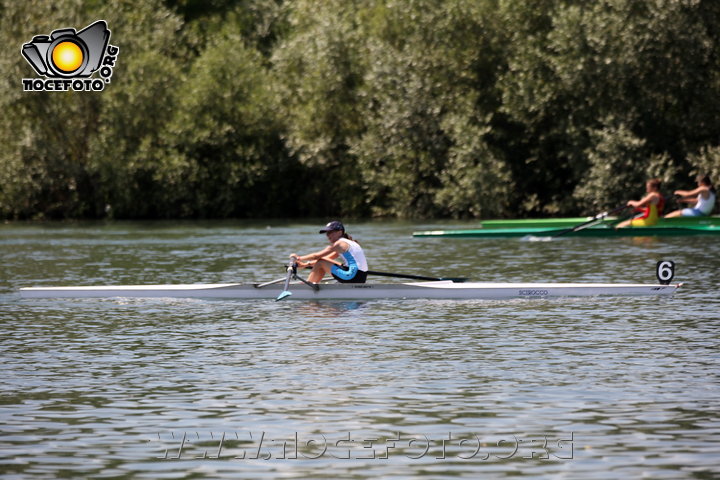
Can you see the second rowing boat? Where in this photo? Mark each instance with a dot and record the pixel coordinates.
(594, 231)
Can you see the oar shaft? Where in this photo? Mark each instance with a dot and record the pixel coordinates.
(599, 216)
(412, 277)
(261, 285)
(400, 275)
(286, 289)
(288, 277)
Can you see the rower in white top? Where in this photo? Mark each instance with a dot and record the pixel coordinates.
(344, 258)
(703, 198)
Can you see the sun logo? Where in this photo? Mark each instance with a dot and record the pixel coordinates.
(67, 57)
(67, 54)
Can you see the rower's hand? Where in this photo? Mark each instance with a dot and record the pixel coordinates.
(294, 258)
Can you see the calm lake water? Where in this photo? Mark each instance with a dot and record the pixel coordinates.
(589, 388)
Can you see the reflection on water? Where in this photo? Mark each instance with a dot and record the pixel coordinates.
(328, 309)
(158, 388)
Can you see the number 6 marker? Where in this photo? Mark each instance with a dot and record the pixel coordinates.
(665, 271)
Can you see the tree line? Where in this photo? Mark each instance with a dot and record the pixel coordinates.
(394, 108)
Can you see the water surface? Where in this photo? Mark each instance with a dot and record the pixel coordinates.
(156, 388)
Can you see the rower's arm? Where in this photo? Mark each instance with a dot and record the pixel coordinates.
(327, 253)
(642, 202)
(340, 247)
(692, 193)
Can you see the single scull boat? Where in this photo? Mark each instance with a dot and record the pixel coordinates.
(365, 291)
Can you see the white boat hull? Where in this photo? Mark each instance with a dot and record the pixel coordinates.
(366, 291)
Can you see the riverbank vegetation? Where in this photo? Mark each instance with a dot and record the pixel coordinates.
(397, 108)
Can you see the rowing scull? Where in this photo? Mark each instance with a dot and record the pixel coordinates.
(593, 231)
(365, 291)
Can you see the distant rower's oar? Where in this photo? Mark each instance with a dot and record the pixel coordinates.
(415, 277)
(286, 289)
(599, 216)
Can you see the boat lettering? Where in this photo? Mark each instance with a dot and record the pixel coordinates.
(362, 286)
(533, 293)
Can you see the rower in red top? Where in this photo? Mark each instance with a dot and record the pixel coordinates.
(650, 207)
(352, 267)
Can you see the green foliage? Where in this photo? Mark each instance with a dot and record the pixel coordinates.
(126, 145)
(476, 180)
(614, 155)
(648, 64)
(422, 103)
(43, 163)
(405, 108)
(705, 162)
(318, 70)
(223, 140)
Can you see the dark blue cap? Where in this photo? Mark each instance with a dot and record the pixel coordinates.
(333, 226)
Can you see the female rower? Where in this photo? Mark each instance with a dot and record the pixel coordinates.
(650, 206)
(703, 197)
(353, 268)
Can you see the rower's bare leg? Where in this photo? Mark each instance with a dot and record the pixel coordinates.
(676, 213)
(319, 270)
(623, 224)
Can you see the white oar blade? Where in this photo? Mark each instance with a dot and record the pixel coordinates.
(282, 295)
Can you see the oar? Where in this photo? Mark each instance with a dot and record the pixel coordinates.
(599, 216)
(415, 277)
(286, 289)
(261, 285)
(411, 277)
(405, 275)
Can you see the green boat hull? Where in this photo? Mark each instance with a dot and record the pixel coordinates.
(568, 222)
(594, 231)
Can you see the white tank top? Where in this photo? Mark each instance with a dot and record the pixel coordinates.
(705, 205)
(354, 255)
